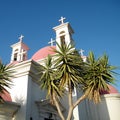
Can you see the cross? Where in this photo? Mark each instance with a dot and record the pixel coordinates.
(21, 38)
(62, 20)
(51, 42)
(23, 55)
(81, 52)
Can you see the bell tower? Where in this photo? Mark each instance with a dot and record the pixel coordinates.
(19, 51)
(63, 32)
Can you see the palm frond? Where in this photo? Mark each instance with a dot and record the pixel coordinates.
(97, 76)
(5, 77)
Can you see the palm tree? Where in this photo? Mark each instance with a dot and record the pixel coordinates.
(50, 82)
(91, 77)
(97, 76)
(70, 65)
(5, 75)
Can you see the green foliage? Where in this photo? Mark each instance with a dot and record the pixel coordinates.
(49, 79)
(69, 70)
(66, 71)
(70, 66)
(97, 76)
(5, 75)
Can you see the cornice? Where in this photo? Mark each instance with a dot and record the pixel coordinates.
(28, 67)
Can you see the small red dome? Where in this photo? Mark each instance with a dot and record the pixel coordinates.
(6, 96)
(111, 90)
(44, 52)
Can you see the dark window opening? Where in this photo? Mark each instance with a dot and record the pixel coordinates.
(31, 118)
(62, 38)
(24, 57)
(15, 57)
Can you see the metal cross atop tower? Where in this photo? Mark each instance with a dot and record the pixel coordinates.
(51, 42)
(21, 38)
(62, 20)
(81, 52)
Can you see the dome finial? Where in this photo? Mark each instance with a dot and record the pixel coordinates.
(51, 42)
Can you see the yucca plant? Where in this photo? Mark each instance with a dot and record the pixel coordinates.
(68, 71)
(98, 75)
(5, 81)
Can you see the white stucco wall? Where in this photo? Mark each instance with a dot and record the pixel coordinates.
(82, 107)
(34, 94)
(112, 102)
(107, 109)
(19, 94)
(26, 91)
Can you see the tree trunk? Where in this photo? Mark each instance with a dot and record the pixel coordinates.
(70, 113)
(58, 107)
(79, 100)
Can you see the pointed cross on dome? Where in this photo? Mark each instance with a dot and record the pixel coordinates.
(62, 20)
(21, 38)
(81, 52)
(51, 42)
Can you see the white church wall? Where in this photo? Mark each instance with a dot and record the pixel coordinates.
(24, 90)
(64, 103)
(107, 109)
(19, 94)
(36, 94)
(92, 110)
(112, 102)
(76, 109)
(29, 99)
(82, 109)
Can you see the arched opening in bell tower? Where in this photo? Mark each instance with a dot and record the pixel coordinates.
(62, 38)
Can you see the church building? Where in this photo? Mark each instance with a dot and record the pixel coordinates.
(26, 101)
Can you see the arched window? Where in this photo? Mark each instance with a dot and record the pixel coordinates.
(16, 50)
(15, 54)
(62, 32)
(62, 37)
(24, 57)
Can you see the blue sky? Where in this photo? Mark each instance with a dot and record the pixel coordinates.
(96, 24)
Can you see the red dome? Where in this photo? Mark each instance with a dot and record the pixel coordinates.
(111, 90)
(44, 52)
(6, 96)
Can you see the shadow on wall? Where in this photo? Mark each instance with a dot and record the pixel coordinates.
(112, 101)
(107, 109)
(21, 112)
(92, 111)
(20, 100)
